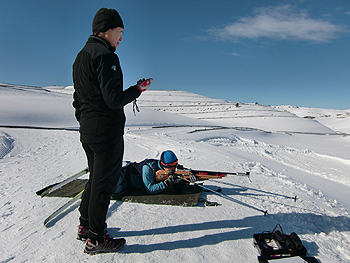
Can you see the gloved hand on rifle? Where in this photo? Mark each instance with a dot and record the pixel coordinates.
(193, 178)
(172, 179)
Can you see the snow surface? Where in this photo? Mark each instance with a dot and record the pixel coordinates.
(287, 154)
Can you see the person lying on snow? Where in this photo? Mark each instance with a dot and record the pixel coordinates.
(143, 175)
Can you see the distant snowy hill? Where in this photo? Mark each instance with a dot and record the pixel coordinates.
(337, 120)
(200, 110)
(229, 114)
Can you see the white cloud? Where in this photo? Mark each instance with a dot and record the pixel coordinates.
(280, 22)
(235, 54)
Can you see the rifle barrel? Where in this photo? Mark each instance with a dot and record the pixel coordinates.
(215, 173)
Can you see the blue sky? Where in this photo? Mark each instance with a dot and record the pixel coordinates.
(271, 52)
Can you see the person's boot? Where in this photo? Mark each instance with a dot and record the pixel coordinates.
(109, 245)
(83, 233)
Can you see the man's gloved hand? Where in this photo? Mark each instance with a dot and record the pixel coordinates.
(172, 179)
(144, 84)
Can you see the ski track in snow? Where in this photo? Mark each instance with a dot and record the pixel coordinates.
(329, 167)
(33, 159)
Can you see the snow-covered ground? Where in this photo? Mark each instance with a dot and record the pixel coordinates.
(287, 154)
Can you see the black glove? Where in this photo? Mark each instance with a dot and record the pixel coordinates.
(172, 179)
(180, 167)
(193, 178)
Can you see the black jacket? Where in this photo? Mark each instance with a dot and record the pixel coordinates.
(99, 97)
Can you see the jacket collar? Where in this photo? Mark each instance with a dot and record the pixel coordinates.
(103, 41)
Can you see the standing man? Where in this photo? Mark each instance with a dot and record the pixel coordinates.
(99, 99)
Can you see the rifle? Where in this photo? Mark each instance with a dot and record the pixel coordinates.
(162, 175)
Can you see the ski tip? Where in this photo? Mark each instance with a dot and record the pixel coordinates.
(265, 212)
(45, 192)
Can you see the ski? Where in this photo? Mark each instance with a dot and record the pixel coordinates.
(64, 182)
(62, 208)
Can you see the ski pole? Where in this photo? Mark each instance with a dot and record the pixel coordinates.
(229, 198)
(295, 198)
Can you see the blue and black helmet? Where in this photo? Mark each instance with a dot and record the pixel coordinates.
(168, 159)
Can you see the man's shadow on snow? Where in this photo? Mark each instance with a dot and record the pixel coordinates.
(301, 223)
(294, 222)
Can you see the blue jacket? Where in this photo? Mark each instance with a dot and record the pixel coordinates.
(147, 180)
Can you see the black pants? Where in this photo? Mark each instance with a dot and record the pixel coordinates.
(105, 163)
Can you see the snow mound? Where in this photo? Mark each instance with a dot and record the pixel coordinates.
(34, 106)
(6, 144)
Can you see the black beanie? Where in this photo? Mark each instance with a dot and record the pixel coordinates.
(106, 19)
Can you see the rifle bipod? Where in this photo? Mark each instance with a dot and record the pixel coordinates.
(228, 197)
